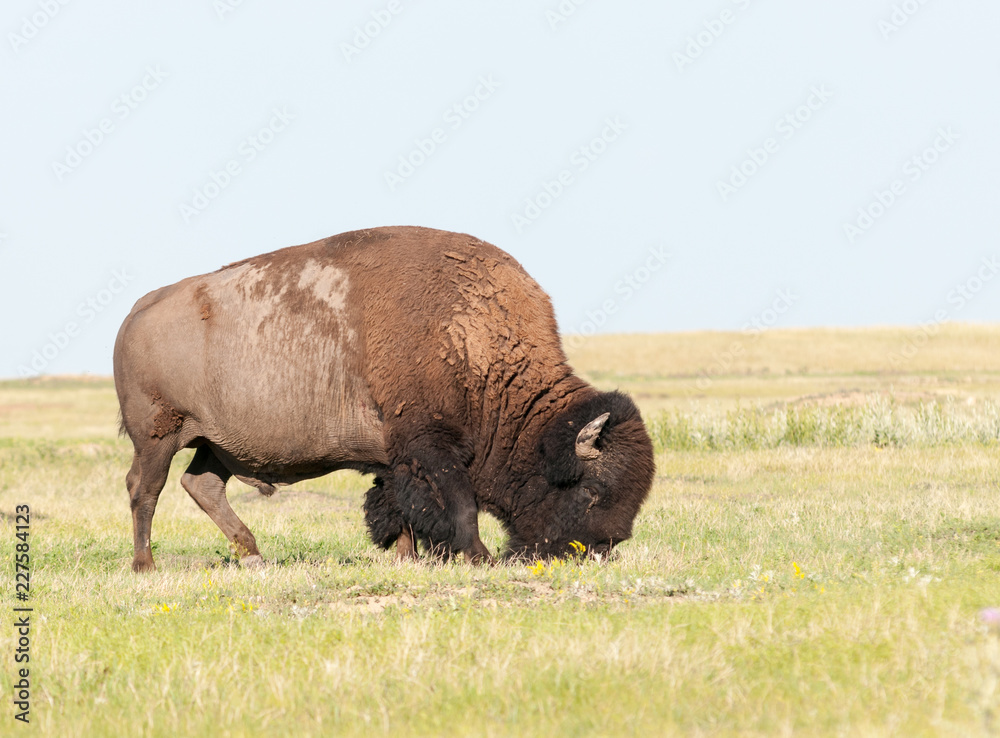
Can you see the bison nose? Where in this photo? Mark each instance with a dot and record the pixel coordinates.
(600, 550)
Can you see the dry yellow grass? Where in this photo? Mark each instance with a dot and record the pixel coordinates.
(955, 347)
(790, 365)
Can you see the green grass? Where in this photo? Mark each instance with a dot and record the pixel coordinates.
(793, 573)
(879, 421)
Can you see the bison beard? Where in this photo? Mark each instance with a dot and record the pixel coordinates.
(429, 359)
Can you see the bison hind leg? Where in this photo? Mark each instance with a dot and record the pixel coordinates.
(205, 480)
(145, 481)
(382, 514)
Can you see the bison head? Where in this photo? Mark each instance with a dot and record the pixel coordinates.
(594, 468)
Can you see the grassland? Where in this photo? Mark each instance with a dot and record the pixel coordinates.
(821, 540)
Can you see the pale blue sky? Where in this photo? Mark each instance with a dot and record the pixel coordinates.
(644, 109)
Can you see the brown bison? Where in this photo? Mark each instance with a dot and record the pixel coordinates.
(429, 359)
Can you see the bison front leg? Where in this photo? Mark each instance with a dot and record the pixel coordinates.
(205, 480)
(406, 545)
(438, 503)
(385, 520)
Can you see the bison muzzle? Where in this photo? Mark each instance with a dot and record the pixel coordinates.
(426, 358)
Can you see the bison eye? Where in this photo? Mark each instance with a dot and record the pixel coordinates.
(594, 497)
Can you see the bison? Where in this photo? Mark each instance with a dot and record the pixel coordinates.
(426, 358)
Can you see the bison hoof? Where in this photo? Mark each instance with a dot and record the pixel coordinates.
(478, 554)
(252, 562)
(406, 554)
(141, 564)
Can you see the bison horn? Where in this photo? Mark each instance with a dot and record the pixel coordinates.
(587, 437)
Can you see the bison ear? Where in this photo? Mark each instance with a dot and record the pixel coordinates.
(586, 439)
